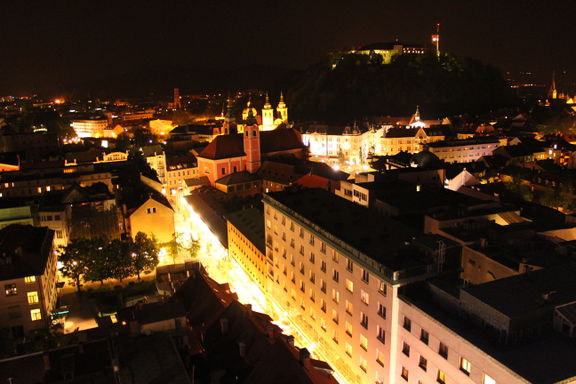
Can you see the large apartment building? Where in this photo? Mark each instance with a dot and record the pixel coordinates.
(335, 268)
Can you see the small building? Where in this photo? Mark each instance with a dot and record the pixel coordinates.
(28, 278)
(150, 212)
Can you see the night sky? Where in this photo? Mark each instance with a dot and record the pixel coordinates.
(47, 44)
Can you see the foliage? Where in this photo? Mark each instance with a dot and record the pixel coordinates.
(358, 86)
(144, 253)
(74, 260)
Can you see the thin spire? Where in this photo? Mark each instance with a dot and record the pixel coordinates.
(281, 97)
(552, 93)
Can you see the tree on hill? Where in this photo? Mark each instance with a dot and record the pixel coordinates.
(358, 87)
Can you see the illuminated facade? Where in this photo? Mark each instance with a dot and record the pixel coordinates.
(154, 217)
(90, 127)
(246, 244)
(411, 140)
(29, 288)
(463, 151)
(342, 299)
(388, 50)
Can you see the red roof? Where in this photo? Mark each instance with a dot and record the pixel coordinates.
(227, 146)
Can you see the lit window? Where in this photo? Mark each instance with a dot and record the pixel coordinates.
(382, 288)
(364, 297)
(30, 279)
(488, 380)
(404, 373)
(348, 329)
(363, 364)
(32, 297)
(349, 285)
(379, 357)
(10, 289)
(349, 307)
(35, 314)
(465, 366)
(348, 349)
(335, 295)
(364, 342)
(441, 377)
(335, 316)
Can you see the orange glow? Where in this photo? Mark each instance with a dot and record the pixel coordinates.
(58, 101)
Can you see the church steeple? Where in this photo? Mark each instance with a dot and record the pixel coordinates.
(282, 109)
(267, 115)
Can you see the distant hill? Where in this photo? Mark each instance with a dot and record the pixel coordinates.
(357, 87)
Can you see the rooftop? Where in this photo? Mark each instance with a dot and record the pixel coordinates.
(24, 251)
(251, 223)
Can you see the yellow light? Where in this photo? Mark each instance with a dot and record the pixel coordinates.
(58, 101)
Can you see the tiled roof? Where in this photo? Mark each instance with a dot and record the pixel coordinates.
(227, 146)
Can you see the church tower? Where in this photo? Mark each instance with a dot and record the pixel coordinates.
(228, 117)
(267, 115)
(553, 93)
(282, 109)
(251, 137)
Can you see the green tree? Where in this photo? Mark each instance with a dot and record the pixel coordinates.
(97, 261)
(73, 259)
(119, 254)
(144, 254)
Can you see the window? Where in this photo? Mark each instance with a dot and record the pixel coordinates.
(11, 289)
(364, 297)
(443, 350)
(348, 349)
(292, 226)
(407, 324)
(323, 247)
(335, 316)
(32, 297)
(35, 314)
(301, 233)
(406, 349)
(379, 357)
(223, 170)
(58, 234)
(30, 279)
(441, 377)
(363, 364)
(335, 257)
(349, 307)
(336, 296)
(488, 380)
(312, 277)
(323, 305)
(349, 285)
(365, 276)
(424, 336)
(312, 258)
(364, 342)
(404, 373)
(364, 320)
(323, 266)
(348, 329)
(381, 334)
(302, 250)
(311, 239)
(323, 286)
(349, 265)
(465, 366)
(423, 363)
(335, 275)
(382, 288)
(381, 310)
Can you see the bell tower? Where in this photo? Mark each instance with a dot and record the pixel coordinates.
(282, 109)
(267, 115)
(251, 139)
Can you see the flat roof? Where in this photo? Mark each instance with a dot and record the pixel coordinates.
(382, 239)
(251, 223)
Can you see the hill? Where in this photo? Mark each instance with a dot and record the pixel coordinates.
(358, 87)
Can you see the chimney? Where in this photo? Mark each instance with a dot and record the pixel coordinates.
(46, 360)
(248, 310)
(305, 358)
(242, 349)
(223, 326)
(290, 340)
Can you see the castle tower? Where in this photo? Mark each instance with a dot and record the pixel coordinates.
(553, 93)
(267, 115)
(251, 139)
(436, 40)
(282, 109)
(176, 100)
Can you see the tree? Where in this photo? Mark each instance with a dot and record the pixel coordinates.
(120, 259)
(144, 254)
(73, 259)
(97, 261)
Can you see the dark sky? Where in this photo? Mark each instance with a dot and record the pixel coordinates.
(46, 44)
